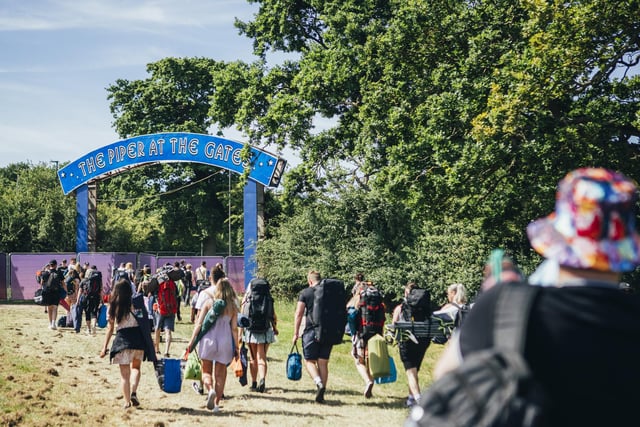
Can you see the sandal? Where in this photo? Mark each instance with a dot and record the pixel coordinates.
(127, 405)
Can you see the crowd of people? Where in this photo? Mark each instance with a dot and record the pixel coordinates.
(588, 242)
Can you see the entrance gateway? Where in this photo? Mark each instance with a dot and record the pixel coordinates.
(82, 175)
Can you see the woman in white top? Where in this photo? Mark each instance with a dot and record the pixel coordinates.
(457, 297)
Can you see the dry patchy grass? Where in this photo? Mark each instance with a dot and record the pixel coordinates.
(56, 378)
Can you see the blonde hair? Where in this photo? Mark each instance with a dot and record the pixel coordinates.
(224, 291)
(460, 293)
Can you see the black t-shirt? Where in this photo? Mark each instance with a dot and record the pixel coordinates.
(583, 345)
(307, 296)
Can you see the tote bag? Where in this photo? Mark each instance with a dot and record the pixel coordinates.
(294, 364)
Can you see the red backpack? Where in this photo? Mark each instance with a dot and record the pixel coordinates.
(372, 312)
(167, 302)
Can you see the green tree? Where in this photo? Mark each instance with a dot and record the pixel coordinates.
(34, 215)
(468, 111)
(180, 207)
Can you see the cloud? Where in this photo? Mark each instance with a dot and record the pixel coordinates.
(158, 16)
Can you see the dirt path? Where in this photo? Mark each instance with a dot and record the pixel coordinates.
(56, 378)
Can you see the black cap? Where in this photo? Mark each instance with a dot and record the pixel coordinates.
(53, 262)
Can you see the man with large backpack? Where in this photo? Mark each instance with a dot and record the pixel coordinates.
(322, 305)
(415, 307)
(560, 355)
(371, 314)
(52, 284)
(89, 301)
(165, 309)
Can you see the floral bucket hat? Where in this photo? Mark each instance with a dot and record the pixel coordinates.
(593, 225)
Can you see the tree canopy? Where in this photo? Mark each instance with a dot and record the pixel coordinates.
(467, 112)
(429, 131)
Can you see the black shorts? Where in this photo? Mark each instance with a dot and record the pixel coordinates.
(51, 296)
(412, 354)
(312, 349)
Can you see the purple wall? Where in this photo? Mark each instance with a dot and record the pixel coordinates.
(234, 267)
(23, 268)
(107, 262)
(4, 281)
(148, 259)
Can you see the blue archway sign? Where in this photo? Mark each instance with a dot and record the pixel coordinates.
(265, 168)
(171, 147)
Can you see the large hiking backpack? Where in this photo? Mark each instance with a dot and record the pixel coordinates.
(167, 301)
(329, 313)
(417, 305)
(259, 306)
(492, 387)
(372, 313)
(52, 281)
(92, 285)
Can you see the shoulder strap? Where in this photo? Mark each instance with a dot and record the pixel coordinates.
(512, 315)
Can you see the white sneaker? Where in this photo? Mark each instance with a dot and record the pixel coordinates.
(54, 327)
(211, 397)
(216, 409)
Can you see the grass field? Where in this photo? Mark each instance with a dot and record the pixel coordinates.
(56, 378)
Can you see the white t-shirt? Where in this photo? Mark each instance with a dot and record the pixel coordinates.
(201, 273)
(203, 297)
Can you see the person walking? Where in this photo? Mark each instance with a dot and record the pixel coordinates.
(259, 337)
(316, 354)
(202, 273)
(367, 299)
(412, 351)
(188, 284)
(165, 313)
(217, 273)
(128, 345)
(217, 347)
(581, 334)
(52, 286)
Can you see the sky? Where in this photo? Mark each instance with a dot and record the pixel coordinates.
(59, 56)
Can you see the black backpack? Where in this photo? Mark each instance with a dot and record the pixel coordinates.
(372, 313)
(259, 306)
(417, 305)
(52, 282)
(92, 285)
(329, 312)
(461, 314)
(492, 387)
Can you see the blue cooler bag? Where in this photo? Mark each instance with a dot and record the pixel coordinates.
(169, 375)
(294, 364)
(102, 316)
